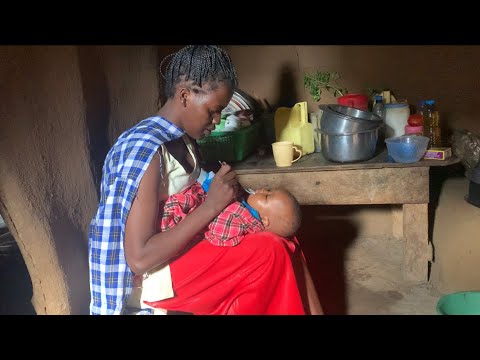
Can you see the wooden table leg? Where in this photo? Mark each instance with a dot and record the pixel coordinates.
(417, 248)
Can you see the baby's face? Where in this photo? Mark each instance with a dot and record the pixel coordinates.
(260, 199)
(271, 203)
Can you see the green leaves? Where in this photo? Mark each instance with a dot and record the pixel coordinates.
(321, 80)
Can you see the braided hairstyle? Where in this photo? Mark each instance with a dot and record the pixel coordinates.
(199, 64)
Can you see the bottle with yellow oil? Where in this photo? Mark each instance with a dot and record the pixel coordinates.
(431, 124)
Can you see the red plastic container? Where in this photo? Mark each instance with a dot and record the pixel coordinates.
(357, 101)
(413, 130)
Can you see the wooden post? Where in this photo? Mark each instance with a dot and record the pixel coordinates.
(417, 250)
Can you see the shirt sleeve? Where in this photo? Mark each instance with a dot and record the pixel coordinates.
(205, 179)
(170, 213)
(111, 282)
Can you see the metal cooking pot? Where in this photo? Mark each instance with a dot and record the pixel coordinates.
(338, 119)
(356, 113)
(349, 147)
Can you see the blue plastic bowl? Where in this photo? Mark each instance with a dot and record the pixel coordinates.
(407, 148)
(459, 303)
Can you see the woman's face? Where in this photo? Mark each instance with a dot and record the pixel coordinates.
(203, 110)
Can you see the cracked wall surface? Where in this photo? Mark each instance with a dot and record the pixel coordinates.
(58, 104)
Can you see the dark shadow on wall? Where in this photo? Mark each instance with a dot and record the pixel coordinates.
(73, 258)
(437, 178)
(16, 289)
(325, 235)
(287, 95)
(95, 93)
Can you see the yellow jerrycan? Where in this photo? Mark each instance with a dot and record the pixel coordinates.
(291, 124)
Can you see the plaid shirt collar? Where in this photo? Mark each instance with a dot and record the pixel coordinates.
(125, 164)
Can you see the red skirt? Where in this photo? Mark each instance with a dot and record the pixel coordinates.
(256, 277)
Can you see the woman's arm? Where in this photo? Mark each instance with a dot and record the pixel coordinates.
(144, 247)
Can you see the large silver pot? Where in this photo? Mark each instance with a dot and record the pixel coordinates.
(356, 113)
(349, 147)
(339, 119)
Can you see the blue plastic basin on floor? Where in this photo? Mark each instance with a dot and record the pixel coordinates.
(459, 303)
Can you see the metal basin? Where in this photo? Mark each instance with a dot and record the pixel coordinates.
(338, 119)
(356, 113)
(351, 147)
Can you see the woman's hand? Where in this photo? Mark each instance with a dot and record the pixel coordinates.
(224, 188)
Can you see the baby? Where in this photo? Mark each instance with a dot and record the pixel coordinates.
(265, 210)
(271, 210)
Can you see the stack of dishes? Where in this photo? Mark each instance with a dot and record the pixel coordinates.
(240, 101)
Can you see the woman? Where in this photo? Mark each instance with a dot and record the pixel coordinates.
(155, 159)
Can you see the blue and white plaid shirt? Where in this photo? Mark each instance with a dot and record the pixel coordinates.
(125, 164)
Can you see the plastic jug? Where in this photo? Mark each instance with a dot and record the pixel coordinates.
(291, 124)
(396, 118)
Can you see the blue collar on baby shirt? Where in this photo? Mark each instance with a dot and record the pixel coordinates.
(252, 210)
(206, 185)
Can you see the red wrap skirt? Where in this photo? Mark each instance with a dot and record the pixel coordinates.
(256, 277)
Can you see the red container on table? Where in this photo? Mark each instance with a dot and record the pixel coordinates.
(413, 130)
(357, 101)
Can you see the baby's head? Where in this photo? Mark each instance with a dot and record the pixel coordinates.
(279, 210)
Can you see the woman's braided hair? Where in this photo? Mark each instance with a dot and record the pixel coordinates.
(201, 64)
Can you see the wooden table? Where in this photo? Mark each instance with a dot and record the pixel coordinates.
(317, 181)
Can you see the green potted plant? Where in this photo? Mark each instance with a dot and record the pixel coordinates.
(318, 81)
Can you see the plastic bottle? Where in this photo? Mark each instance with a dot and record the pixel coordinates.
(431, 123)
(420, 106)
(380, 110)
(416, 127)
(379, 107)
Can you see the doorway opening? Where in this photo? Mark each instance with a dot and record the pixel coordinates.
(15, 283)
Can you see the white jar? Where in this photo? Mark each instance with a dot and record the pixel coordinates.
(396, 117)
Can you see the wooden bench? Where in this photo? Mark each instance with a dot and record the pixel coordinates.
(316, 181)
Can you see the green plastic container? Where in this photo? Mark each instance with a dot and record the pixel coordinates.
(220, 126)
(230, 146)
(459, 303)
